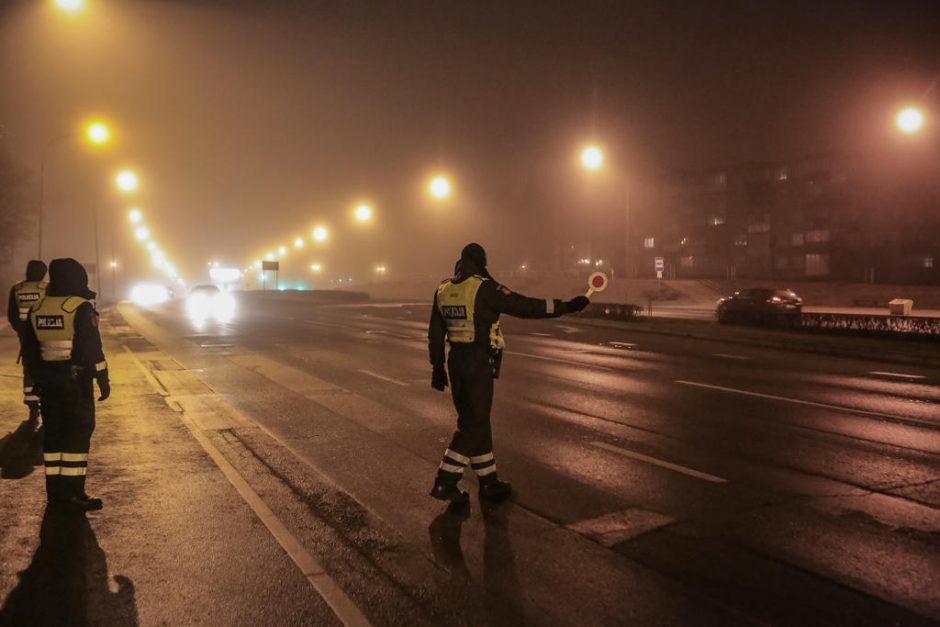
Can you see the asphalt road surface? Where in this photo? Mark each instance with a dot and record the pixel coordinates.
(658, 480)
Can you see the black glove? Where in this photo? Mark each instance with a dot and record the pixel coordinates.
(576, 304)
(104, 385)
(439, 379)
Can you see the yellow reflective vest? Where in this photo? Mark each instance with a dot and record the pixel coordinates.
(53, 322)
(456, 302)
(27, 294)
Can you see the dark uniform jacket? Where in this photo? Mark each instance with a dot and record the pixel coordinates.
(87, 351)
(492, 299)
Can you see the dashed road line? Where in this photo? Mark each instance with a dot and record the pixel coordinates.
(568, 329)
(896, 375)
(383, 377)
(729, 356)
(660, 462)
(541, 334)
(797, 401)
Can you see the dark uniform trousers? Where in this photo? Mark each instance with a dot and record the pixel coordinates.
(68, 403)
(470, 368)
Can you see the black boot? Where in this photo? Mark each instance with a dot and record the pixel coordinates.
(445, 489)
(492, 489)
(34, 416)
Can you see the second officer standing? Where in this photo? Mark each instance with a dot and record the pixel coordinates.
(466, 312)
(62, 351)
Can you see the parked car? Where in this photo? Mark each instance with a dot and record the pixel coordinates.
(760, 305)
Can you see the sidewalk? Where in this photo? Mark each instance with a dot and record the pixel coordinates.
(174, 544)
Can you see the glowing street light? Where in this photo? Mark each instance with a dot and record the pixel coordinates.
(269, 256)
(380, 269)
(592, 158)
(142, 233)
(281, 251)
(363, 213)
(135, 216)
(151, 246)
(315, 267)
(98, 133)
(909, 120)
(70, 6)
(299, 243)
(439, 187)
(114, 263)
(127, 181)
(320, 234)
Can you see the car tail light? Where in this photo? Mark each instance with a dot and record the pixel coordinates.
(775, 299)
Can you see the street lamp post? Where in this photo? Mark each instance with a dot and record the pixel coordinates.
(592, 159)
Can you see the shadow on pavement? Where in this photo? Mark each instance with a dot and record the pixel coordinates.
(20, 451)
(67, 581)
(502, 596)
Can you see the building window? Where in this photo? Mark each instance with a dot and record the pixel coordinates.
(716, 220)
(684, 241)
(928, 262)
(796, 239)
(649, 242)
(758, 223)
(817, 236)
(741, 240)
(817, 264)
(781, 174)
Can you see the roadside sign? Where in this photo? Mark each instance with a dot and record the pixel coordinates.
(597, 282)
(659, 264)
(270, 265)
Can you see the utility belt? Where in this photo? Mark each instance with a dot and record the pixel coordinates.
(493, 355)
(61, 370)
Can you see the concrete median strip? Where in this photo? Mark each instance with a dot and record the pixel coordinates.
(343, 607)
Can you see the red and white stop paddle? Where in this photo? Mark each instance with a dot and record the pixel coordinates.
(597, 282)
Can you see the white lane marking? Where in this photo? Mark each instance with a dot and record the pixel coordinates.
(568, 329)
(774, 397)
(541, 334)
(344, 608)
(559, 361)
(897, 375)
(659, 462)
(383, 377)
(620, 344)
(728, 356)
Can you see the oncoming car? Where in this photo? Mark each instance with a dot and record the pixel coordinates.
(760, 305)
(207, 302)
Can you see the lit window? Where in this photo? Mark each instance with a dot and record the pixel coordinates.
(781, 174)
(649, 242)
(817, 236)
(741, 240)
(716, 220)
(928, 262)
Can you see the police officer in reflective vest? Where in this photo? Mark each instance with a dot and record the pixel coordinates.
(62, 350)
(466, 311)
(23, 296)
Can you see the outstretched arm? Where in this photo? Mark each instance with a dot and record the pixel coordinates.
(505, 301)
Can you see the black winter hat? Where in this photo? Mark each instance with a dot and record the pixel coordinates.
(35, 270)
(67, 277)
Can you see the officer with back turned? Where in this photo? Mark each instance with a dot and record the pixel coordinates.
(466, 311)
(62, 351)
(23, 296)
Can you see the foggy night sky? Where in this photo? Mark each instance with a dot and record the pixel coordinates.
(251, 121)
